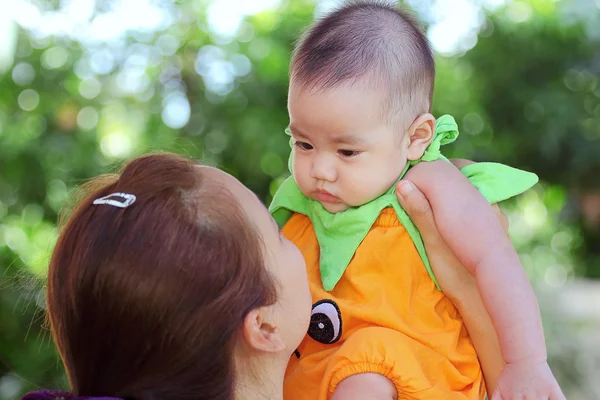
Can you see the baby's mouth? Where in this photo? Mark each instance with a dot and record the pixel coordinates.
(325, 197)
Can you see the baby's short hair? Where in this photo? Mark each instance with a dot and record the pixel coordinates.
(370, 40)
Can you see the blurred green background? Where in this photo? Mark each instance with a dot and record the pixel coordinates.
(87, 84)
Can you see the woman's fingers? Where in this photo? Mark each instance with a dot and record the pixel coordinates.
(418, 209)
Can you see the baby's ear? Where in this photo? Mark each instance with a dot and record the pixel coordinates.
(420, 135)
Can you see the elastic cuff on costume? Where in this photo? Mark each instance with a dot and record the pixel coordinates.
(352, 369)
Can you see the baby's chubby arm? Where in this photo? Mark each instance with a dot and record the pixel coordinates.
(473, 232)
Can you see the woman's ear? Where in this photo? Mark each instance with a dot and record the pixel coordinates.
(260, 333)
(420, 134)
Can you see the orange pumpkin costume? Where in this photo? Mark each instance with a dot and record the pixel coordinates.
(379, 309)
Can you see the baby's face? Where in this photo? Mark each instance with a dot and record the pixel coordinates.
(345, 152)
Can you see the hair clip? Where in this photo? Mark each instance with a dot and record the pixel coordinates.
(129, 199)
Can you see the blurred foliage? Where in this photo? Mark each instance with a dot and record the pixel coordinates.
(526, 94)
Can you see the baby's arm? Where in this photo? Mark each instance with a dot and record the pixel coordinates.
(473, 232)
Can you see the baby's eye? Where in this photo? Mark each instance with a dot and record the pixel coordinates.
(348, 153)
(303, 145)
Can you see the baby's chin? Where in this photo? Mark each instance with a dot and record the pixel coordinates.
(335, 208)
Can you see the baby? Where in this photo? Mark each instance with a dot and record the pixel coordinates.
(359, 104)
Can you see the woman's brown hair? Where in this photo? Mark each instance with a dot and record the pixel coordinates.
(145, 301)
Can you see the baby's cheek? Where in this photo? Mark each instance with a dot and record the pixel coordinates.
(301, 179)
(361, 194)
(369, 187)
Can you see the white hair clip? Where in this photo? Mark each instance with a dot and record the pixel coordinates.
(128, 199)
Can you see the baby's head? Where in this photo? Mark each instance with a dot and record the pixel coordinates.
(359, 101)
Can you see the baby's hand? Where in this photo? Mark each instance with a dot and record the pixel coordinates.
(527, 380)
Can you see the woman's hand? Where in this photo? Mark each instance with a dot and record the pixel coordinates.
(451, 275)
(454, 279)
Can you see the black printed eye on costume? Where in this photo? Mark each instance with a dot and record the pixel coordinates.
(325, 322)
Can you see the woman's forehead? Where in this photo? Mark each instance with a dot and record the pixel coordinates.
(245, 196)
(218, 176)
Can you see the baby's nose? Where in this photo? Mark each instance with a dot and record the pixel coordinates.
(323, 169)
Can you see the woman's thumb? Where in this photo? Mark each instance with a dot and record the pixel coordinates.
(404, 189)
(416, 206)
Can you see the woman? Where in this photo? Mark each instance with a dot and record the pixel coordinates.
(171, 281)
